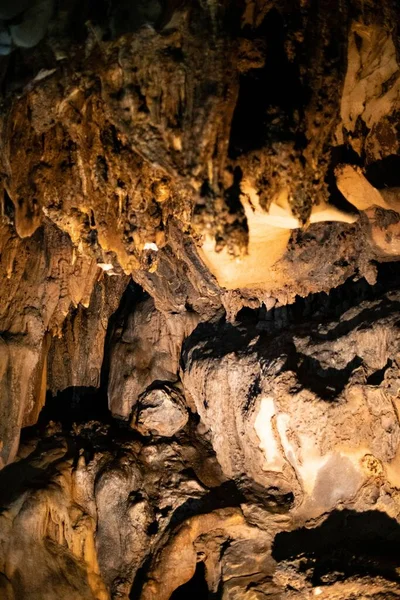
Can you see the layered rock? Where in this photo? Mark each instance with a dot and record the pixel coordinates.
(311, 411)
(146, 349)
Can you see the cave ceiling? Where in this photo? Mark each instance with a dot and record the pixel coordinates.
(199, 300)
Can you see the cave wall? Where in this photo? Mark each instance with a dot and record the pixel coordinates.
(199, 349)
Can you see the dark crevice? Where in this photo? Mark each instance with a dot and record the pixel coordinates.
(74, 405)
(153, 528)
(232, 194)
(92, 219)
(327, 383)
(109, 139)
(81, 404)
(102, 168)
(206, 189)
(346, 544)
(234, 204)
(8, 207)
(378, 376)
(268, 96)
(195, 589)
(132, 296)
(253, 392)
(305, 316)
(140, 579)
(385, 173)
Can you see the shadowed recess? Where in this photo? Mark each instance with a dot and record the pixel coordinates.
(195, 589)
(347, 543)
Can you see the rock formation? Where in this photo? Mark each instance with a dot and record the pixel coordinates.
(199, 300)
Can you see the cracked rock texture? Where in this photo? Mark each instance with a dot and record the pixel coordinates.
(199, 300)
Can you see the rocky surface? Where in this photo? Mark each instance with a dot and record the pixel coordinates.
(161, 412)
(278, 478)
(199, 300)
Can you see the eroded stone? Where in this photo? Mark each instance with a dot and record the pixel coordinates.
(160, 412)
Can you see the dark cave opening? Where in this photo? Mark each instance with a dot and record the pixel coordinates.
(385, 173)
(195, 589)
(268, 96)
(74, 405)
(79, 404)
(377, 377)
(347, 543)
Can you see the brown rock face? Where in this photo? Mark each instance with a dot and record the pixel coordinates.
(199, 300)
(160, 412)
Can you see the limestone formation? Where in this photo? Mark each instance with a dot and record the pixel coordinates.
(146, 349)
(199, 300)
(160, 412)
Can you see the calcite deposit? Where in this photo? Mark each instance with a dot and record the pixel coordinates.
(199, 300)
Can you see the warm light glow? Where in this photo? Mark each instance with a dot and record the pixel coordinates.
(265, 432)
